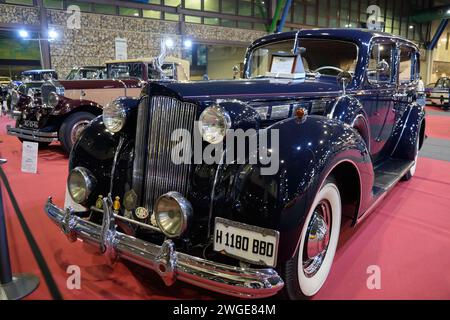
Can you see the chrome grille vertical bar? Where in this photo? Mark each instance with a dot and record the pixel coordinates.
(166, 114)
(139, 149)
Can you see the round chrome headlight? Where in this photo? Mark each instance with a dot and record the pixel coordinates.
(172, 214)
(53, 99)
(214, 122)
(15, 97)
(114, 116)
(80, 183)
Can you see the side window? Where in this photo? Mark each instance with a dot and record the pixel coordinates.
(380, 64)
(405, 73)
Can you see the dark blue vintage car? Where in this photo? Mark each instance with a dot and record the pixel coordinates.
(338, 111)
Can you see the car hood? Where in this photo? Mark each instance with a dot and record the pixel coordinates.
(253, 89)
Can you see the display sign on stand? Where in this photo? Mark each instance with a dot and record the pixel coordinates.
(29, 156)
(121, 49)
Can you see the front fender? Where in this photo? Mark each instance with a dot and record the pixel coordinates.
(308, 151)
(96, 150)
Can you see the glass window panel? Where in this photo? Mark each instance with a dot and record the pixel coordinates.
(193, 4)
(172, 3)
(244, 25)
(323, 21)
(229, 23)
(24, 2)
(311, 13)
(259, 26)
(151, 14)
(104, 9)
(299, 14)
(261, 9)
(229, 6)
(83, 6)
(193, 19)
(406, 63)
(211, 5)
(128, 12)
(171, 16)
(53, 4)
(212, 21)
(245, 8)
(333, 23)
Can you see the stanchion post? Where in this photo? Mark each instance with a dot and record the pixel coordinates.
(17, 286)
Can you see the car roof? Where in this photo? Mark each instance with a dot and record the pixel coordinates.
(38, 71)
(356, 35)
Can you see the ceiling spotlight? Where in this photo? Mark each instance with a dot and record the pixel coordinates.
(411, 27)
(169, 43)
(188, 44)
(448, 11)
(23, 33)
(52, 34)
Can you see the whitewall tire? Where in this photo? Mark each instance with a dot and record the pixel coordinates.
(307, 271)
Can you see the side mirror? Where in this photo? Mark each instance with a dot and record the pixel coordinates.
(383, 67)
(344, 78)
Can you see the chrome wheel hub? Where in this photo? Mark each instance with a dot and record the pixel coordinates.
(77, 130)
(317, 239)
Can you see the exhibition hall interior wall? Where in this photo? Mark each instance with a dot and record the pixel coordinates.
(94, 42)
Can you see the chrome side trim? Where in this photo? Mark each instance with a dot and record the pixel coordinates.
(168, 263)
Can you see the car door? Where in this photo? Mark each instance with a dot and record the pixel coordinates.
(380, 87)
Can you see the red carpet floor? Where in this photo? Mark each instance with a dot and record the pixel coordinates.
(407, 237)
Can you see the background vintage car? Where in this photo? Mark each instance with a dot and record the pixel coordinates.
(64, 108)
(344, 142)
(438, 93)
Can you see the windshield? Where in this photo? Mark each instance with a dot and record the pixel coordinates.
(38, 76)
(125, 70)
(443, 83)
(85, 74)
(317, 56)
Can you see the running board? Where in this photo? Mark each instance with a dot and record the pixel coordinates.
(389, 173)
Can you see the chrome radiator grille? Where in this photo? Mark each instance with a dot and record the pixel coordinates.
(46, 89)
(163, 115)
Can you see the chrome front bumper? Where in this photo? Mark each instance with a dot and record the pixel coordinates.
(168, 263)
(32, 135)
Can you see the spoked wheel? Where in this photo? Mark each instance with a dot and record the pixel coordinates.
(307, 271)
(72, 128)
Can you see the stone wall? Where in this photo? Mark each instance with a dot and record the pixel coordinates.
(19, 14)
(94, 43)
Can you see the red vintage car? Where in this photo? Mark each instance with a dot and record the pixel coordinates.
(60, 110)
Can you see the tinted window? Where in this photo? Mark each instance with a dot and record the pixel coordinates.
(406, 74)
(380, 63)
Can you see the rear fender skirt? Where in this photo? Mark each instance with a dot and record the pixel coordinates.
(308, 150)
(408, 131)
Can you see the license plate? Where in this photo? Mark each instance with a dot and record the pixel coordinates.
(245, 242)
(31, 124)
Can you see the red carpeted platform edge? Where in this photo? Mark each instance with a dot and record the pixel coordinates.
(407, 237)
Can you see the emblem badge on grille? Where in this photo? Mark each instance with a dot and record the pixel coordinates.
(141, 213)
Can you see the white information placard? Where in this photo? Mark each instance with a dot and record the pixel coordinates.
(29, 156)
(282, 64)
(121, 49)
